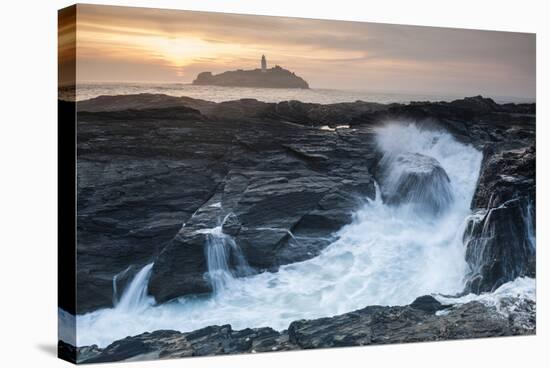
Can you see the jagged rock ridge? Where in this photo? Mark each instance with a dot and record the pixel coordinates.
(417, 322)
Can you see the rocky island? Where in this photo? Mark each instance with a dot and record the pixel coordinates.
(263, 77)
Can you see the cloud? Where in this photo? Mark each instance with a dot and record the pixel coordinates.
(323, 51)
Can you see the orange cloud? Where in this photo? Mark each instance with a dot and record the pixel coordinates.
(137, 44)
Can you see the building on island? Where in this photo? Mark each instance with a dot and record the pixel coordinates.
(264, 64)
(275, 77)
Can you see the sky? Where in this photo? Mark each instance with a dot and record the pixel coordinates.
(155, 45)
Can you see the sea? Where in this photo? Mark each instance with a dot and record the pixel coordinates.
(87, 91)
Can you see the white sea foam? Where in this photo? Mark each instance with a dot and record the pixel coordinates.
(220, 248)
(386, 256)
(135, 297)
(66, 327)
(522, 288)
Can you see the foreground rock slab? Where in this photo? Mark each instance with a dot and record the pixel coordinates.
(424, 320)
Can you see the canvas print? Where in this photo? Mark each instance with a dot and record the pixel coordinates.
(244, 184)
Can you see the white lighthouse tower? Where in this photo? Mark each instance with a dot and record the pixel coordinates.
(264, 64)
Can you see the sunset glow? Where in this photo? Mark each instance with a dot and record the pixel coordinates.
(154, 45)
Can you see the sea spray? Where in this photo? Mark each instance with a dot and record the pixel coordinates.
(135, 297)
(529, 218)
(386, 256)
(115, 283)
(417, 181)
(522, 288)
(507, 232)
(293, 238)
(224, 259)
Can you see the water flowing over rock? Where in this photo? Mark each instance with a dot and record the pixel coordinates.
(231, 225)
(500, 241)
(506, 136)
(263, 183)
(357, 268)
(416, 180)
(507, 174)
(224, 259)
(280, 184)
(136, 294)
(371, 325)
(498, 248)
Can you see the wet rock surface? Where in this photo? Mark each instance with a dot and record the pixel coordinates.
(390, 325)
(500, 242)
(153, 170)
(138, 181)
(416, 180)
(508, 174)
(149, 184)
(499, 247)
(371, 325)
(505, 133)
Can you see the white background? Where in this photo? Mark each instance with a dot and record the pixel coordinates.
(28, 57)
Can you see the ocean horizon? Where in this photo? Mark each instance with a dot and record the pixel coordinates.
(90, 90)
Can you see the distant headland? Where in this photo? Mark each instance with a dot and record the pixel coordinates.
(263, 77)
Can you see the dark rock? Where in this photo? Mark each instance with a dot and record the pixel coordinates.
(268, 210)
(415, 179)
(390, 325)
(301, 113)
(147, 164)
(498, 247)
(121, 350)
(186, 252)
(67, 351)
(130, 198)
(142, 101)
(478, 104)
(174, 113)
(427, 303)
(88, 352)
(287, 188)
(294, 111)
(231, 225)
(121, 280)
(505, 175)
(500, 244)
(212, 340)
(371, 325)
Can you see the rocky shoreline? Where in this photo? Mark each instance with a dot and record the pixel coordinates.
(424, 320)
(149, 163)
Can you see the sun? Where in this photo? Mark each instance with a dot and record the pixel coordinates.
(176, 51)
(179, 51)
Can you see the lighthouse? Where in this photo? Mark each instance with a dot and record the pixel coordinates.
(264, 64)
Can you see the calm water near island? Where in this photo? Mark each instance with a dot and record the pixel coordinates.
(218, 94)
